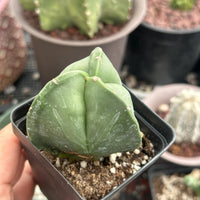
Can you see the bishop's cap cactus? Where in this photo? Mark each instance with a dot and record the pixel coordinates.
(184, 115)
(84, 14)
(84, 111)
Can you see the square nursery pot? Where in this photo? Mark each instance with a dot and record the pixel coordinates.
(165, 169)
(54, 54)
(50, 180)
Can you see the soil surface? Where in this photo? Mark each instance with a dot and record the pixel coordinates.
(95, 179)
(184, 149)
(72, 33)
(172, 187)
(160, 14)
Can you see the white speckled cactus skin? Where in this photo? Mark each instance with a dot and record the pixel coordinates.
(184, 116)
(13, 49)
(84, 14)
(85, 111)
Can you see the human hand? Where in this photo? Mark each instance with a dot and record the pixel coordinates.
(16, 179)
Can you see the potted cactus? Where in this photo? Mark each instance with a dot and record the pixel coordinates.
(178, 105)
(168, 181)
(182, 4)
(158, 50)
(13, 49)
(88, 16)
(83, 122)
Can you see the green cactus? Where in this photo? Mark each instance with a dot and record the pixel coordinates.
(84, 14)
(28, 4)
(192, 180)
(184, 115)
(85, 111)
(182, 4)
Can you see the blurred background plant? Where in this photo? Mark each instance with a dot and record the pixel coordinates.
(184, 115)
(13, 48)
(85, 15)
(182, 4)
(192, 180)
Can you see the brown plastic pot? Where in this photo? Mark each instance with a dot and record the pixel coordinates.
(53, 55)
(51, 181)
(162, 95)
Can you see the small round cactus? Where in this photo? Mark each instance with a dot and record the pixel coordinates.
(84, 112)
(84, 14)
(192, 180)
(184, 115)
(13, 49)
(182, 4)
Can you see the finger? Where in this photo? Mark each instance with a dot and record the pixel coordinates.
(26, 181)
(11, 157)
(6, 192)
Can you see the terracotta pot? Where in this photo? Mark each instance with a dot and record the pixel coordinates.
(12, 47)
(50, 180)
(162, 95)
(53, 54)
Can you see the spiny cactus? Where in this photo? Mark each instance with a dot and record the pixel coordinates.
(84, 14)
(182, 4)
(184, 115)
(85, 111)
(192, 180)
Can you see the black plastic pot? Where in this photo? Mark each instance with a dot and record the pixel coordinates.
(54, 185)
(165, 169)
(162, 56)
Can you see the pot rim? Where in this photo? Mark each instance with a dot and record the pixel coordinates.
(170, 31)
(139, 10)
(186, 161)
(3, 4)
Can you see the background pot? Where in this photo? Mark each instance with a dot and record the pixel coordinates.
(54, 185)
(162, 56)
(12, 47)
(162, 95)
(53, 55)
(165, 169)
